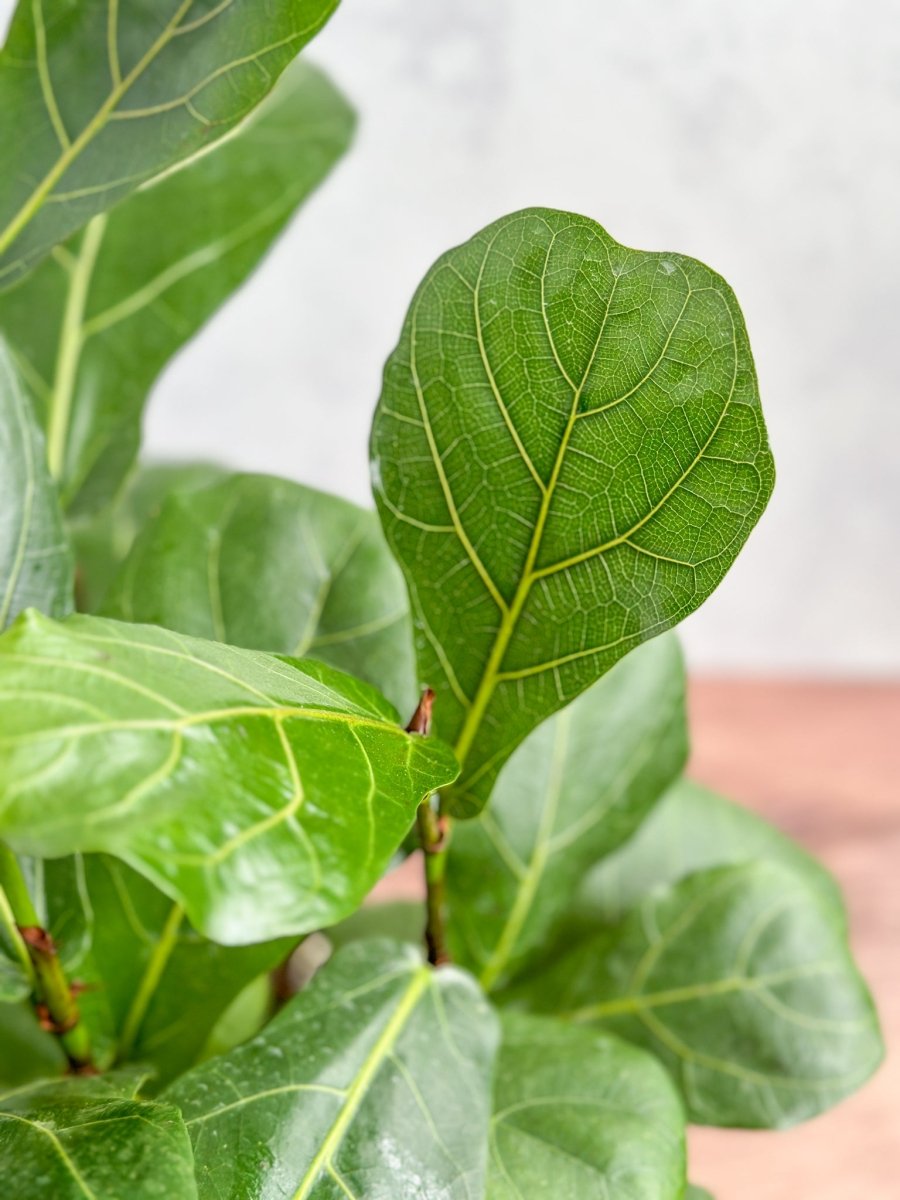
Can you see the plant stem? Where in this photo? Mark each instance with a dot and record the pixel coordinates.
(57, 1006)
(433, 836)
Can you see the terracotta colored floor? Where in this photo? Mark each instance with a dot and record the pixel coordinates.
(822, 761)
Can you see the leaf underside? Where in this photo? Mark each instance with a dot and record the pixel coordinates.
(567, 456)
(98, 98)
(373, 1083)
(264, 794)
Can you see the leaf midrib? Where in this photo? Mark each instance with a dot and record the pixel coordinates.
(509, 618)
(356, 1093)
(634, 1003)
(208, 717)
(96, 124)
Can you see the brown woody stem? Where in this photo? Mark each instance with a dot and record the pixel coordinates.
(433, 831)
(54, 998)
(433, 836)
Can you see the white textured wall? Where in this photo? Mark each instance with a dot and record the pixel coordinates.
(762, 138)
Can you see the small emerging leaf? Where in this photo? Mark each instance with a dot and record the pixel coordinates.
(372, 1082)
(91, 1139)
(575, 790)
(99, 97)
(742, 982)
(568, 454)
(581, 1114)
(36, 569)
(265, 794)
(269, 564)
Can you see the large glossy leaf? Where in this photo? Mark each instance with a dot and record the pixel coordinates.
(741, 980)
(373, 1083)
(35, 558)
(103, 540)
(574, 791)
(93, 326)
(581, 1114)
(100, 96)
(265, 794)
(268, 564)
(692, 828)
(567, 456)
(91, 1139)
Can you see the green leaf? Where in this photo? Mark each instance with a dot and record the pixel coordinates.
(399, 920)
(568, 454)
(270, 565)
(579, 1113)
(742, 982)
(164, 986)
(27, 1052)
(264, 794)
(692, 828)
(697, 1193)
(97, 98)
(95, 324)
(372, 1082)
(91, 1139)
(103, 540)
(243, 1018)
(574, 791)
(36, 567)
(13, 980)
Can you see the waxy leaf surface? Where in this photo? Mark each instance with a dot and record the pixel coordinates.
(568, 454)
(372, 1083)
(264, 794)
(99, 97)
(741, 980)
(91, 1139)
(36, 568)
(158, 986)
(94, 325)
(271, 565)
(579, 1113)
(577, 787)
(690, 829)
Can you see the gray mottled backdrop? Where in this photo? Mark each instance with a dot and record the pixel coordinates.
(762, 138)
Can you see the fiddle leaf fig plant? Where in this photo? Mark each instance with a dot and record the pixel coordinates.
(269, 697)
